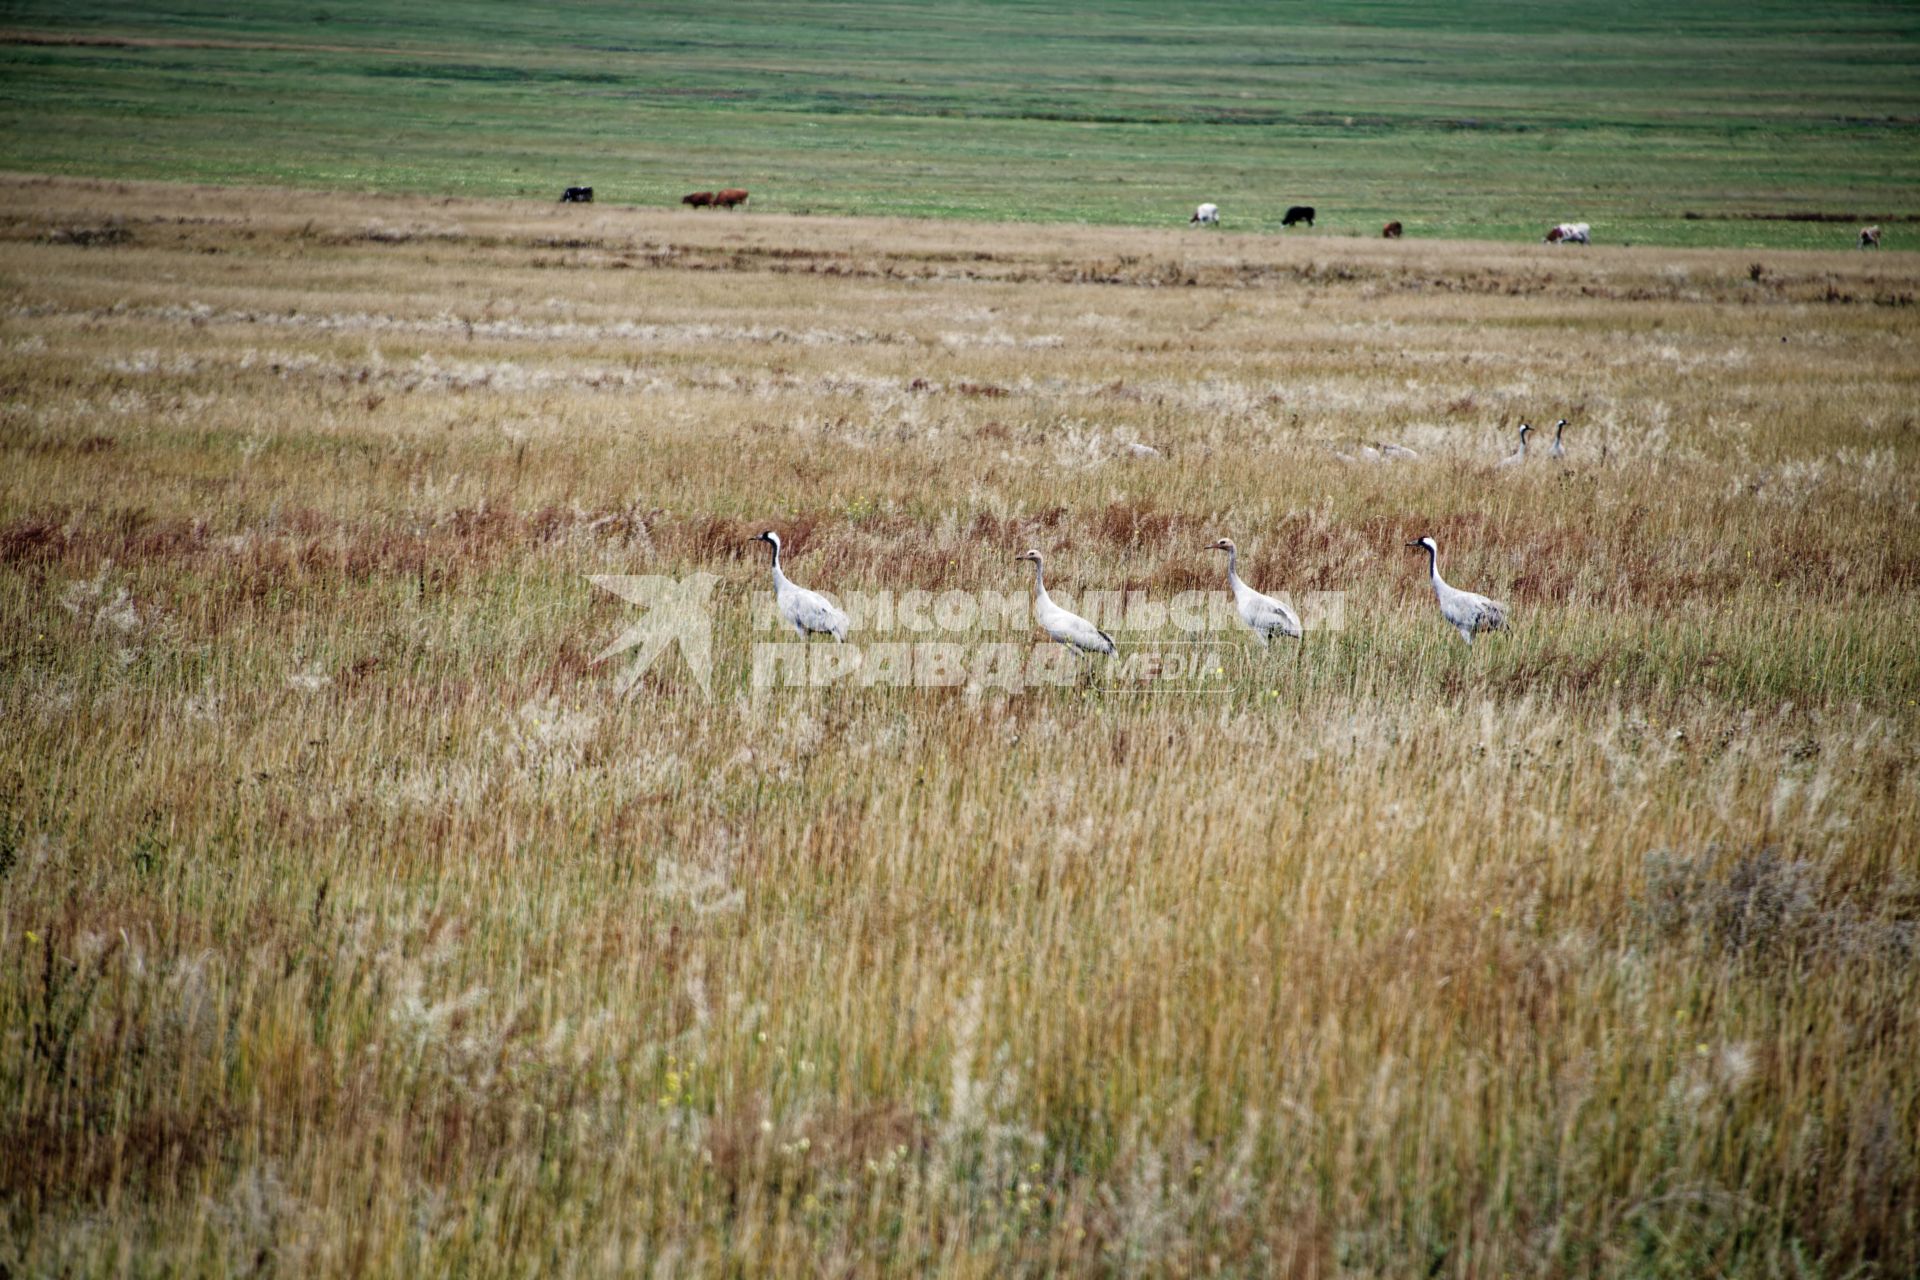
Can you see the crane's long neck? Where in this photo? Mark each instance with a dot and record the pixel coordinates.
(779, 578)
(1433, 569)
(1233, 567)
(1040, 583)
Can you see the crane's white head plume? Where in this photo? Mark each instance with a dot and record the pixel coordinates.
(1225, 544)
(1424, 542)
(1524, 428)
(768, 536)
(1030, 555)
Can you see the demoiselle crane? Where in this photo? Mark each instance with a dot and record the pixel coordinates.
(1466, 611)
(807, 612)
(1556, 449)
(1067, 628)
(1519, 455)
(1264, 615)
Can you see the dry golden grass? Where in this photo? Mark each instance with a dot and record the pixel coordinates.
(353, 925)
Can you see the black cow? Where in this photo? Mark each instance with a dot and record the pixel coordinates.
(577, 195)
(1298, 213)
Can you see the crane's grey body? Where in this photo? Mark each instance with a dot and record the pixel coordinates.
(1557, 449)
(807, 612)
(1067, 628)
(1519, 455)
(1264, 616)
(1379, 453)
(1466, 611)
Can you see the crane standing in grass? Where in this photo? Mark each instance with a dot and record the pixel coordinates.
(807, 612)
(1519, 455)
(1067, 628)
(1466, 611)
(1557, 449)
(1264, 615)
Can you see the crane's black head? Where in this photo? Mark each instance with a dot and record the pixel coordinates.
(1424, 543)
(1524, 428)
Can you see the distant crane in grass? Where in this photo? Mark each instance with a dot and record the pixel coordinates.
(1519, 455)
(1067, 628)
(1466, 611)
(1556, 449)
(1264, 616)
(807, 612)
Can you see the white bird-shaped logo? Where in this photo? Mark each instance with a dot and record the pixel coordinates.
(677, 612)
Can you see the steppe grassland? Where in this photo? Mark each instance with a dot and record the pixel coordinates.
(356, 925)
(1720, 123)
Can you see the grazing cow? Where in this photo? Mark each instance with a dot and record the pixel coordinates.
(731, 198)
(698, 199)
(1570, 233)
(577, 195)
(1208, 213)
(1298, 213)
(1869, 237)
(1391, 231)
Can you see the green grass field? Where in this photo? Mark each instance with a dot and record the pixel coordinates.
(1490, 120)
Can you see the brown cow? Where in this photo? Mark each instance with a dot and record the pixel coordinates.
(732, 197)
(1869, 237)
(699, 199)
(1391, 231)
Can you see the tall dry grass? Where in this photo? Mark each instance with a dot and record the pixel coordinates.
(354, 925)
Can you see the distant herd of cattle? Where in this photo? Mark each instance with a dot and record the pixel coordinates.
(731, 198)
(1206, 214)
(1560, 233)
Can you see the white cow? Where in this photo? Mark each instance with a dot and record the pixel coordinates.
(1209, 213)
(1570, 233)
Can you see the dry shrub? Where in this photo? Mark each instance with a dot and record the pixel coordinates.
(104, 235)
(1763, 906)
